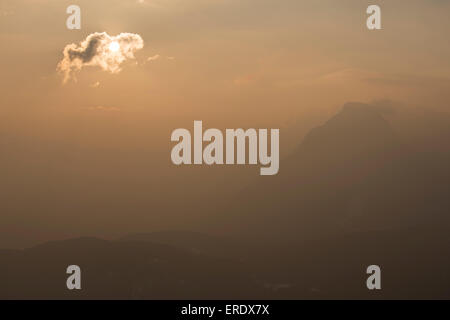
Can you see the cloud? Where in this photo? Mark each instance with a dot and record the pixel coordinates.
(155, 57)
(245, 79)
(104, 108)
(6, 13)
(99, 50)
(95, 84)
(409, 80)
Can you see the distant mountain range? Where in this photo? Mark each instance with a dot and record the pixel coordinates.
(414, 264)
(121, 270)
(357, 191)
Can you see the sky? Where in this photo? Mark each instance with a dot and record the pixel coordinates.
(89, 153)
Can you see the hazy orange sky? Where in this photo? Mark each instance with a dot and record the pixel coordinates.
(69, 149)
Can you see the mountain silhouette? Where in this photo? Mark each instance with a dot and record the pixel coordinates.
(412, 262)
(121, 270)
(357, 191)
(353, 173)
(194, 242)
(356, 132)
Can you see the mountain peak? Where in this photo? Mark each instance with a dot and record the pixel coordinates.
(357, 127)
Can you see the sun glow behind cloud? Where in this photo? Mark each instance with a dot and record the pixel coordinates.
(101, 50)
(114, 46)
